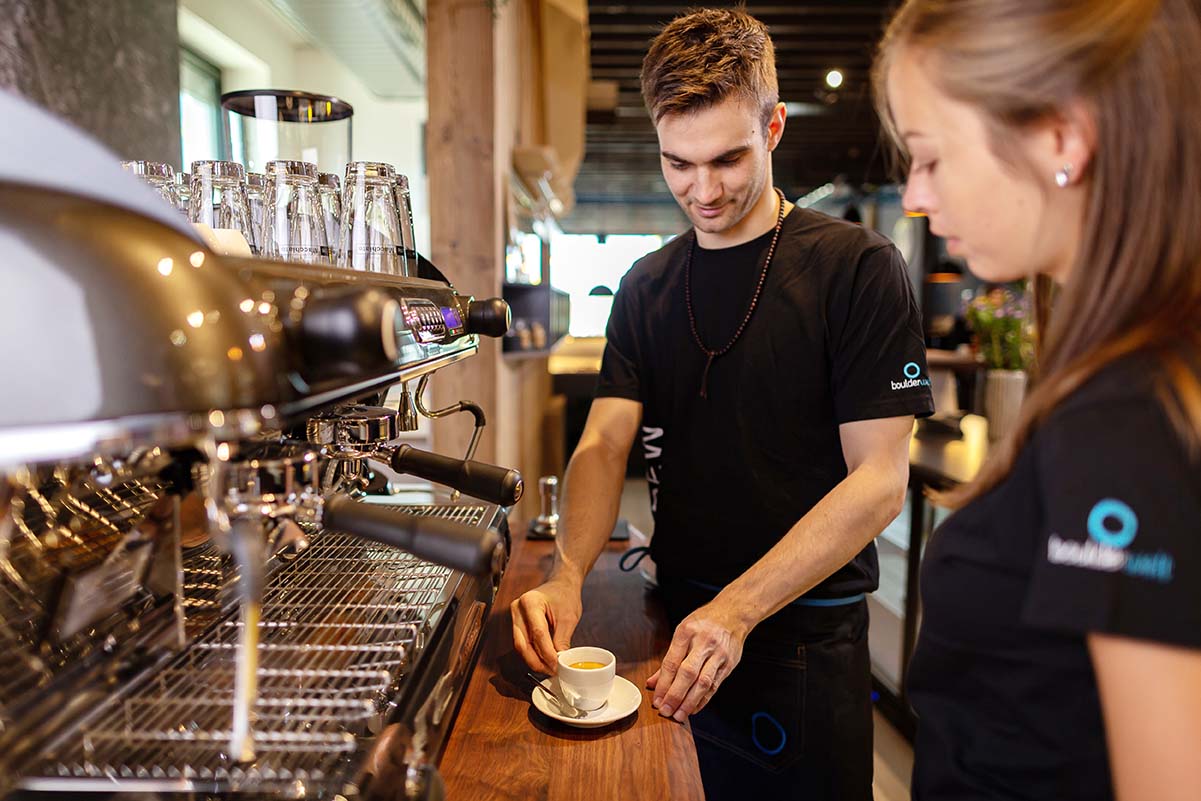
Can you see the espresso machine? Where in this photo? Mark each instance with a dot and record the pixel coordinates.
(210, 584)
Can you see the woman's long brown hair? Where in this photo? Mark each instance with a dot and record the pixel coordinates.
(1136, 283)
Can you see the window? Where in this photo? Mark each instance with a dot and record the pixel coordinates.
(199, 109)
(585, 266)
(523, 259)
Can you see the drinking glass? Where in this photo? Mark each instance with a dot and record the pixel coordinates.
(294, 222)
(183, 190)
(405, 208)
(370, 237)
(160, 177)
(256, 199)
(330, 188)
(219, 197)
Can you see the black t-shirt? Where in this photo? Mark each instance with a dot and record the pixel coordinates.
(836, 337)
(1094, 530)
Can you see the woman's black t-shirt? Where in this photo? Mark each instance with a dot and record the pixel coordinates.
(836, 338)
(1097, 529)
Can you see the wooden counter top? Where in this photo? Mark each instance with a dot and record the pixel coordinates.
(501, 747)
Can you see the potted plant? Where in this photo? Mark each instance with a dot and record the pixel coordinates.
(1001, 323)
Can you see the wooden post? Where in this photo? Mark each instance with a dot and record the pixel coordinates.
(465, 210)
(474, 53)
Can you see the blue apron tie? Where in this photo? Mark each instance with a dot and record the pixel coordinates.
(846, 600)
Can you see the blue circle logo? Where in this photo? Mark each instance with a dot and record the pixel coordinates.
(1099, 523)
(912, 370)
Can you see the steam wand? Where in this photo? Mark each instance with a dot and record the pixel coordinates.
(455, 408)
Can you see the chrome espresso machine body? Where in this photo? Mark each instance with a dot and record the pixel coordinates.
(208, 585)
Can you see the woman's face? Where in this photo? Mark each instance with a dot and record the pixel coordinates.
(1006, 220)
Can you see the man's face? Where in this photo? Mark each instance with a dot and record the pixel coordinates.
(716, 160)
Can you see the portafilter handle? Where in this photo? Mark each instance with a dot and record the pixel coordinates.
(481, 480)
(477, 551)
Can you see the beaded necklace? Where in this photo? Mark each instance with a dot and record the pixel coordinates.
(696, 336)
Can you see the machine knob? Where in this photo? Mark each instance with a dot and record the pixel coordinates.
(489, 317)
(348, 332)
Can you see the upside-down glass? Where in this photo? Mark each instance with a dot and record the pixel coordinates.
(330, 188)
(294, 222)
(370, 237)
(256, 200)
(183, 190)
(405, 207)
(219, 197)
(160, 177)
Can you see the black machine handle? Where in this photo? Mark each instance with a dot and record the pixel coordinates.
(454, 545)
(477, 479)
(490, 318)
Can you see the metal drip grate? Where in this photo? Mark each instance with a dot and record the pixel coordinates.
(74, 531)
(207, 582)
(55, 534)
(339, 626)
(467, 515)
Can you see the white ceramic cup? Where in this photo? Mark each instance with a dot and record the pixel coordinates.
(586, 689)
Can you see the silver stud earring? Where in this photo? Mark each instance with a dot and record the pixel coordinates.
(1063, 175)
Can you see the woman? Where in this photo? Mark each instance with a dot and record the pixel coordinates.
(1060, 650)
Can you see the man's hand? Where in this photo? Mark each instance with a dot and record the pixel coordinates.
(706, 646)
(543, 621)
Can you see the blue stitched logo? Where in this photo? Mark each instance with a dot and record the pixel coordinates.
(913, 373)
(1112, 527)
(1115, 511)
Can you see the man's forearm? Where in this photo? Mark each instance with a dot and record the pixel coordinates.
(591, 499)
(825, 539)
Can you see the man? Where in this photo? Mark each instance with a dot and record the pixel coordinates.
(772, 358)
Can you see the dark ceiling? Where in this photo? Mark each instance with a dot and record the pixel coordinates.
(620, 183)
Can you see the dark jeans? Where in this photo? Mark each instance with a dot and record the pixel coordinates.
(794, 718)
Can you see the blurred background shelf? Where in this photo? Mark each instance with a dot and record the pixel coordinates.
(541, 315)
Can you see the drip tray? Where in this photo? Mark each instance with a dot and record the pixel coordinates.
(339, 628)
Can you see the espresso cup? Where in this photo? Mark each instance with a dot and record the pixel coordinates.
(587, 686)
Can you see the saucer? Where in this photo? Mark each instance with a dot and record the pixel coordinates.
(624, 699)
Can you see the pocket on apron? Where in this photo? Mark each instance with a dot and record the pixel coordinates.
(758, 712)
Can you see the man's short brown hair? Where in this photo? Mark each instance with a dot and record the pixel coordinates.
(706, 56)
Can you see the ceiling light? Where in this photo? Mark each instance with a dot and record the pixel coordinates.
(833, 79)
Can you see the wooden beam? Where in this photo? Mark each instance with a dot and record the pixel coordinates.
(465, 222)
